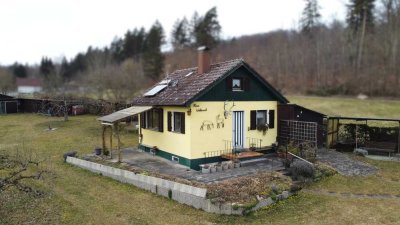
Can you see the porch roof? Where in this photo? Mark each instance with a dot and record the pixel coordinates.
(122, 114)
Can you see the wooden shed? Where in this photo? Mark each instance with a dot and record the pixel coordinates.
(293, 112)
(8, 104)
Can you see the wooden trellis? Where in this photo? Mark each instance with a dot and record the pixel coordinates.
(298, 132)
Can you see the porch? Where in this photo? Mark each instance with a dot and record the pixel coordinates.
(252, 149)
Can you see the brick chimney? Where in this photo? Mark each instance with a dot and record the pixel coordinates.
(203, 60)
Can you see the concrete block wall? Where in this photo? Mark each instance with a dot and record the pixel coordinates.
(182, 193)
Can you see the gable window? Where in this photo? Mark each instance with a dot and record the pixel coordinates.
(260, 117)
(176, 122)
(237, 84)
(152, 119)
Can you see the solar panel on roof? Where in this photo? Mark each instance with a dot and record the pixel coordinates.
(155, 90)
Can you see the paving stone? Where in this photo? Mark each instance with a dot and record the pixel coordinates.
(146, 161)
(344, 164)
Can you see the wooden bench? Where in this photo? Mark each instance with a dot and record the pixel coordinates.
(388, 147)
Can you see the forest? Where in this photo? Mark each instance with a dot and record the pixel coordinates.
(360, 55)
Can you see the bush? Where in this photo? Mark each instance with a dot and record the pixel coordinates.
(323, 170)
(300, 170)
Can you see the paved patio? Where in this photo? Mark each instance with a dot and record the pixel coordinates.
(146, 161)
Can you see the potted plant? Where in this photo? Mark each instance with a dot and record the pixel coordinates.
(97, 151)
(218, 167)
(205, 168)
(236, 163)
(263, 128)
(252, 147)
(213, 169)
(154, 150)
(225, 165)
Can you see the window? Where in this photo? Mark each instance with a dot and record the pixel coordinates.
(176, 122)
(237, 84)
(259, 117)
(152, 119)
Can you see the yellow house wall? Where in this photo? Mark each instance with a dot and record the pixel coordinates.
(174, 143)
(212, 138)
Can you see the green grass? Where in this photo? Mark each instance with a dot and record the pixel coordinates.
(76, 196)
(336, 106)
(385, 181)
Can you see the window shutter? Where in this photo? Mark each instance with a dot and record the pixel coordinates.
(143, 120)
(253, 121)
(228, 85)
(246, 84)
(271, 122)
(161, 120)
(182, 123)
(169, 121)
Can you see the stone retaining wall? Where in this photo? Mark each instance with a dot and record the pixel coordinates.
(182, 193)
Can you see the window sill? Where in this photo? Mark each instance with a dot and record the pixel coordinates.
(238, 90)
(152, 129)
(176, 132)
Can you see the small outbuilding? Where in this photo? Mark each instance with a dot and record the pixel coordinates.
(8, 104)
(305, 122)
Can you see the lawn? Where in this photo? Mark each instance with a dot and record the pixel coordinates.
(75, 196)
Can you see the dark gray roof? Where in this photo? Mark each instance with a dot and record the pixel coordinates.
(188, 87)
(5, 97)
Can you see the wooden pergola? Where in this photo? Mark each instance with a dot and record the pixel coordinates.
(333, 127)
(112, 121)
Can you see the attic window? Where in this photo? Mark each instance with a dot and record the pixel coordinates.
(237, 84)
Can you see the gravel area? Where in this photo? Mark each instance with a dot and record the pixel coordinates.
(344, 164)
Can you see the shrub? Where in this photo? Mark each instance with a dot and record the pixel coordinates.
(301, 169)
(323, 170)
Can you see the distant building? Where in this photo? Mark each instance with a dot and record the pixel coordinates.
(8, 104)
(29, 85)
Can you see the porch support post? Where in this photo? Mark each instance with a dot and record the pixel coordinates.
(103, 139)
(398, 140)
(356, 135)
(111, 134)
(119, 142)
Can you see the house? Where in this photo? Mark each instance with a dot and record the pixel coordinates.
(29, 85)
(200, 114)
(293, 112)
(8, 104)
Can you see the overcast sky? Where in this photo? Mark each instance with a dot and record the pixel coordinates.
(56, 28)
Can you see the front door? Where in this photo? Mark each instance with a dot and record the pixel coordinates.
(238, 129)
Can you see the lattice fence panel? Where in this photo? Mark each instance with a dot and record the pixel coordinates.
(298, 132)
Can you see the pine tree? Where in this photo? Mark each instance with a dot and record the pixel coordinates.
(180, 34)
(310, 17)
(153, 59)
(206, 30)
(360, 12)
(133, 43)
(46, 66)
(19, 70)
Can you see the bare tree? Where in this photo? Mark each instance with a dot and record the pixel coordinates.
(16, 169)
(7, 81)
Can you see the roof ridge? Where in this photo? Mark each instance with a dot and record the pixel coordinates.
(218, 63)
